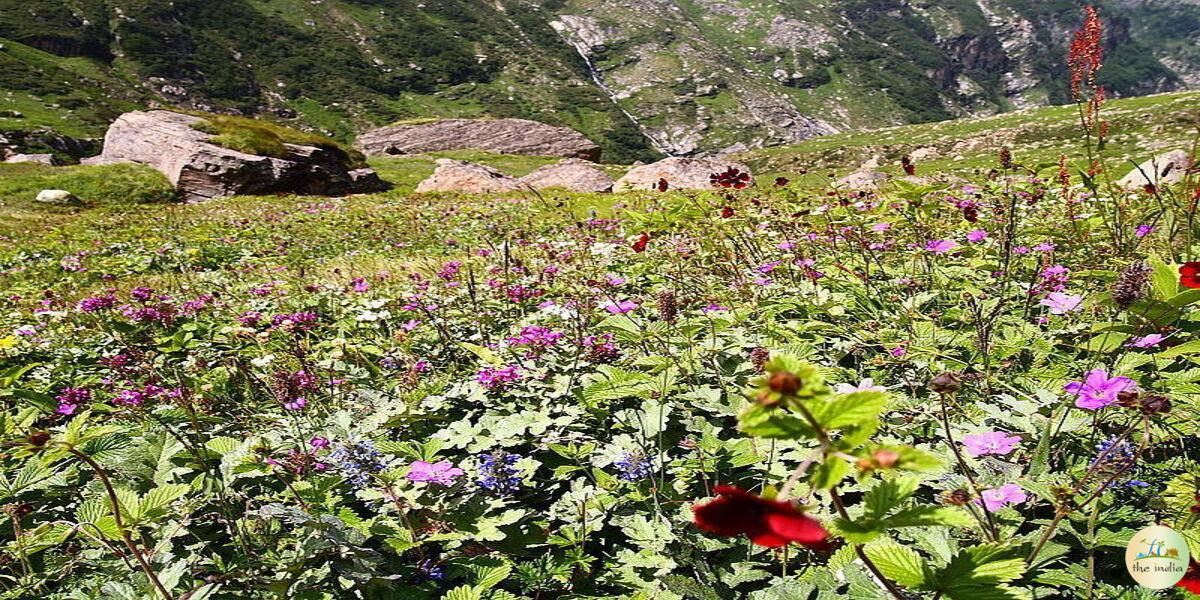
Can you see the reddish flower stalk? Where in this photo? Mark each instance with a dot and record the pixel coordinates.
(1087, 53)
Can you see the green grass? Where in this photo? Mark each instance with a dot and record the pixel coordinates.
(1140, 128)
(264, 138)
(97, 187)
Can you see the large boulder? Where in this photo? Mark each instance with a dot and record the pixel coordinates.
(503, 136)
(571, 174)
(468, 177)
(56, 197)
(680, 173)
(1165, 169)
(169, 142)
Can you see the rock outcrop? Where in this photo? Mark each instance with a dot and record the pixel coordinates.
(468, 177)
(503, 136)
(680, 173)
(863, 179)
(570, 174)
(1164, 169)
(201, 170)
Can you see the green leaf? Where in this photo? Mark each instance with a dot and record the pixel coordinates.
(902, 565)
(1108, 341)
(463, 592)
(829, 473)
(485, 354)
(773, 423)
(1184, 349)
(923, 516)
(1164, 278)
(887, 495)
(156, 501)
(856, 408)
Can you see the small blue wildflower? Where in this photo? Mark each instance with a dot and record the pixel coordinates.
(430, 570)
(357, 462)
(497, 473)
(633, 466)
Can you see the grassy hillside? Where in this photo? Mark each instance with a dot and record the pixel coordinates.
(680, 75)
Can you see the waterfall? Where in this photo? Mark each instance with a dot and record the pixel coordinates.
(595, 73)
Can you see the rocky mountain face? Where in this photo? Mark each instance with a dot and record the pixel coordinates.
(641, 78)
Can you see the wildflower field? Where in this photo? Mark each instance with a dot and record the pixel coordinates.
(963, 388)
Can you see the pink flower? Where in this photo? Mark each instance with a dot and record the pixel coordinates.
(1148, 341)
(1097, 389)
(881, 227)
(441, 473)
(866, 385)
(622, 307)
(977, 236)
(1143, 231)
(941, 246)
(898, 351)
(992, 442)
(995, 499)
(1060, 303)
(296, 404)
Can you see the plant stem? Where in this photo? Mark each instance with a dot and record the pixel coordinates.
(962, 464)
(115, 506)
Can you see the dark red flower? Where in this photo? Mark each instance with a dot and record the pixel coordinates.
(1191, 579)
(781, 181)
(1189, 274)
(640, 244)
(730, 178)
(662, 185)
(768, 523)
(907, 163)
(727, 212)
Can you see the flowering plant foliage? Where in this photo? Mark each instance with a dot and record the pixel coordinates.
(936, 389)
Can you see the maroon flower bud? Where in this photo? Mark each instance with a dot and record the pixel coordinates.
(785, 383)
(946, 383)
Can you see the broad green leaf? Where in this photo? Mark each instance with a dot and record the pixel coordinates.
(829, 473)
(774, 423)
(902, 565)
(855, 408)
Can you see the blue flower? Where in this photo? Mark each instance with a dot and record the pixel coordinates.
(358, 461)
(634, 466)
(497, 473)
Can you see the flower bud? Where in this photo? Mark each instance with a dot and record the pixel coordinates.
(38, 439)
(958, 497)
(784, 383)
(946, 383)
(886, 459)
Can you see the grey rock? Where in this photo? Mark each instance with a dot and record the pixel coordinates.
(571, 174)
(1164, 169)
(468, 177)
(168, 142)
(42, 159)
(863, 179)
(503, 136)
(57, 197)
(680, 173)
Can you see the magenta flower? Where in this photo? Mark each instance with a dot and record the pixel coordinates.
(1060, 303)
(898, 351)
(622, 307)
(296, 404)
(995, 499)
(1097, 389)
(977, 236)
(1148, 341)
(1143, 231)
(992, 442)
(441, 473)
(941, 246)
(319, 442)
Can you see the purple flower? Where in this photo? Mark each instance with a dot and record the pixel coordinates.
(622, 307)
(1097, 389)
(898, 351)
(494, 378)
(941, 246)
(296, 403)
(1143, 231)
(1148, 341)
(1060, 303)
(97, 303)
(360, 285)
(995, 499)
(992, 442)
(69, 400)
(977, 236)
(441, 473)
(319, 442)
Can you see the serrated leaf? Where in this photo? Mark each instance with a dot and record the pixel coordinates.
(856, 408)
(773, 423)
(902, 565)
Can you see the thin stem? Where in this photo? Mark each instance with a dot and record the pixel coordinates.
(115, 507)
(962, 464)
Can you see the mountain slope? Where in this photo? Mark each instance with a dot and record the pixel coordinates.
(640, 77)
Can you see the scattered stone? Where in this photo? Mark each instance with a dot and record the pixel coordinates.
(42, 159)
(468, 177)
(57, 197)
(202, 170)
(863, 179)
(1162, 170)
(11, 114)
(571, 174)
(680, 173)
(503, 136)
